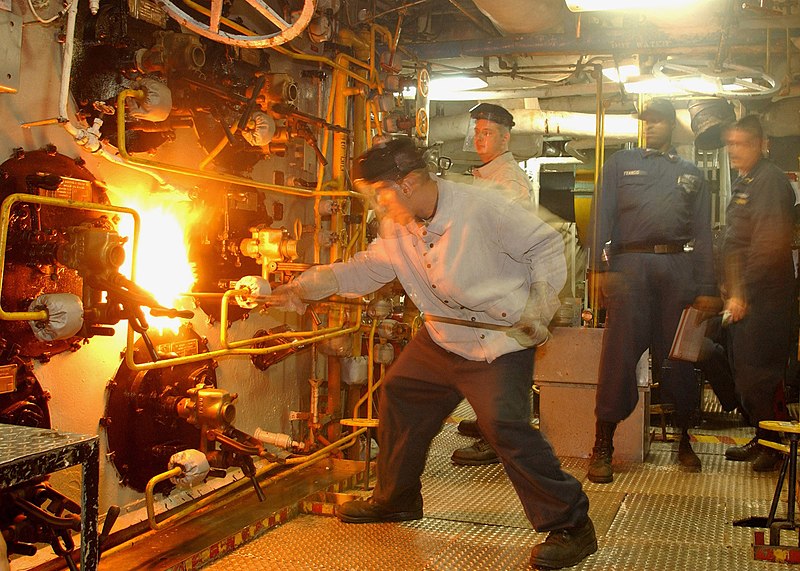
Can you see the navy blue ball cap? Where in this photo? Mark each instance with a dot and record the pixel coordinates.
(658, 107)
(493, 113)
(391, 160)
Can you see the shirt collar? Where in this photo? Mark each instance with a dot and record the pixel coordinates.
(444, 208)
(671, 154)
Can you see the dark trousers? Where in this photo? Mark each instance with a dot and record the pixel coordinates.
(423, 387)
(760, 345)
(643, 313)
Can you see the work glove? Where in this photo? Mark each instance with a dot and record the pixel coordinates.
(194, 465)
(315, 283)
(531, 329)
(288, 298)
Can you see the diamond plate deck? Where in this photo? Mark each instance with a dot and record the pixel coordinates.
(653, 517)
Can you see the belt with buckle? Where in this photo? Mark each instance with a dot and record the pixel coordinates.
(647, 248)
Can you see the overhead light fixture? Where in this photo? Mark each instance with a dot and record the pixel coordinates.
(651, 85)
(637, 5)
(621, 73)
(444, 88)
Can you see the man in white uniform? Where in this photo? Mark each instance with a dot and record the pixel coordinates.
(500, 171)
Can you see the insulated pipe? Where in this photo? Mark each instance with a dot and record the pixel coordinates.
(506, 15)
(5, 217)
(557, 123)
(541, 122)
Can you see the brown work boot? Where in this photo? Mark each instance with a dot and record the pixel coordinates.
(367, 511)
(600, 471)
(565, 547)
(479, 454)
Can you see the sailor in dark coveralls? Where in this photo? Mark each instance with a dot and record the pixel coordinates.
(759, 285)
(652, 205)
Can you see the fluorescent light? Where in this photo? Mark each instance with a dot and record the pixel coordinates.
(621, 73)
(649, 85)
(442, 88)
(635, 5)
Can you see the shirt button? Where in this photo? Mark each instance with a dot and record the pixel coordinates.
(424, 233)
(504, 314)
(429, 265)
(472, 319)
(430, 246)
(433, 286)
(483, 336)
(446, 301)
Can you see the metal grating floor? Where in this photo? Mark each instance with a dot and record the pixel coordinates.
(653, 517)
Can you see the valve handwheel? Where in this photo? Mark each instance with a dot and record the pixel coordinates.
(287, 30)
(725, 80)
(421, 123)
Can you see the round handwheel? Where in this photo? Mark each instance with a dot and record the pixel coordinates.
(728, 80)
(286, 30)
(423, 81)
(422, 123)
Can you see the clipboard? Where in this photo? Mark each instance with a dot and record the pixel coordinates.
(690, 335)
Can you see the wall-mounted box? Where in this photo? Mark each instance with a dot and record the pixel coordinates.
(10, 51)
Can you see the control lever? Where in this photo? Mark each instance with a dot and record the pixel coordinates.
(171, 312)
(111, 518)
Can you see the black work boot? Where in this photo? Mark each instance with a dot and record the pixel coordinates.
(565, 547)
(686, 456)
(479, 454)
(768, 460)
(600, 471)
(745, 453)
(367, 511)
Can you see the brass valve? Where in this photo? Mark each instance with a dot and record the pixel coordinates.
(208, 406)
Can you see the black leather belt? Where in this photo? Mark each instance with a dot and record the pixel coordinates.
(647, 248)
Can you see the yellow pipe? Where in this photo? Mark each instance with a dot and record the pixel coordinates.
(5, 217)
(318, 336)
(370, 374)
(237, 347)
(209, 175)
(299, 463)
(148, 494)
(223, 333)
(594, 293)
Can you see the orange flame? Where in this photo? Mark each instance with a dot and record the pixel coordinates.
(162, 260)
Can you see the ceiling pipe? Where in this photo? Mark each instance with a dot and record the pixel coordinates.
(560, 124)
(506, 15)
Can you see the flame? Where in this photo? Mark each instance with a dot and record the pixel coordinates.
(162, 260)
